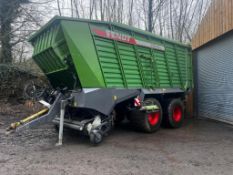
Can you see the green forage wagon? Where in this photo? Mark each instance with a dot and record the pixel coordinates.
(102, 72)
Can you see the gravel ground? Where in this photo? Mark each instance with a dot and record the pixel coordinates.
(199, 147)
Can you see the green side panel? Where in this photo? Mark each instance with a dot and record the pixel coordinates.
(128, 59)
(118, 61)
(46, 50)
(172, 63)
(109, 62)
(162, 69)
(71, 55)
(148, 67)
(82, 49)
(51, 54)
(130, 65)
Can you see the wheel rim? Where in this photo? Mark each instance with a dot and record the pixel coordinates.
(153, 118)
(177, 113)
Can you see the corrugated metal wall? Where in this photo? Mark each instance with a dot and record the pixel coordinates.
(214, 79)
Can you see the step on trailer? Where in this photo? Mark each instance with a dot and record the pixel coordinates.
(102, 72)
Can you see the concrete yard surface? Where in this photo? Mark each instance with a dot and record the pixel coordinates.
(199, 147)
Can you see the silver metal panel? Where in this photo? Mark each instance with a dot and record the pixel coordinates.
(215, 79)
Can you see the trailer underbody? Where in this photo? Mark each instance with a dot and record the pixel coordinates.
(94, 112)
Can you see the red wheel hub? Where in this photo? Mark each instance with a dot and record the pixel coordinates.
(177, 113)
(153, 118)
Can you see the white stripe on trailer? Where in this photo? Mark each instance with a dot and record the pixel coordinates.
(150, 45)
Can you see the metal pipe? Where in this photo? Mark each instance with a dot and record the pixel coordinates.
(149, 108)
(27, 119)
(69, 125)
(61, 124)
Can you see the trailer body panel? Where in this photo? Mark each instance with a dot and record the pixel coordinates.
(79, 53)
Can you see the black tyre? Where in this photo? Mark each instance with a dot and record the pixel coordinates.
(96, 138)
(34, 90)
(56, 127)
(120, 115)
(174, 114)
(145, 121)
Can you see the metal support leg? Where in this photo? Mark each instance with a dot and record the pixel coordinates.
(61, 124)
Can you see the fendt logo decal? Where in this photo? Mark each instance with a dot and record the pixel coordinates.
(115, 36)
(125, 38)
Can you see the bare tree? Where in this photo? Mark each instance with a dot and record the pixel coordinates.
(96, 11)
(120, 11)
(131, 5)
(9, 10)
(59, 7)
(91, 8)
(76, 8)
(72, 8)
(102, 9)
(150, 15)
(171, 17)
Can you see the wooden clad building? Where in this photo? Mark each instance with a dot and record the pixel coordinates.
(213, 63)
(217, 21)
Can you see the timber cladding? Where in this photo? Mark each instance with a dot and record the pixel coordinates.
(217, 21)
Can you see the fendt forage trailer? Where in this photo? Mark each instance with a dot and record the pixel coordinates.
(102, 72)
